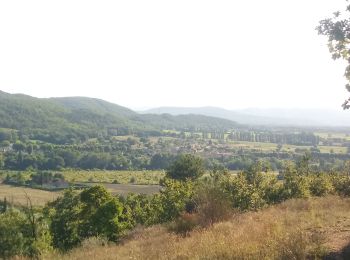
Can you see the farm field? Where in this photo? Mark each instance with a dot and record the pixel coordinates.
(18, 195)
(269, 147)
(101, 176)
(326, 135)
(124, 189)
(118, 177)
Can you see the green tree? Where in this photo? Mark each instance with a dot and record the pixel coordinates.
(186, 167)
(173, 199)
(12, 240)
(23, 232)
(337, 29)
(93, 212)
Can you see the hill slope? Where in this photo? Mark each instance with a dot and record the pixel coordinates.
(54, 119)
(296, 229)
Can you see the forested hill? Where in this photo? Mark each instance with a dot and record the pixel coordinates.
(62, 120)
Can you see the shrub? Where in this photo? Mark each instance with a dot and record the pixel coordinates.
(342, 185)
(295, 185)
(272, 191)
(212, 204)
(172, 200)
(243, 195)
(321, 185)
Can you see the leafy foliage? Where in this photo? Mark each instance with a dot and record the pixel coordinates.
(94, 212)
(186, 167)
(337, 29)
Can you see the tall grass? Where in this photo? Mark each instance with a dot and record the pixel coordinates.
(295, 229)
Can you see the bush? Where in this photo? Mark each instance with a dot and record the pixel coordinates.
(243, 195)
(342, 185)
(172, 200)
(212, 204)
(295, 185)
(321, 185)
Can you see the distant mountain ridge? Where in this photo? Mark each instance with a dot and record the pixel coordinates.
(82, 116)
(266, 117)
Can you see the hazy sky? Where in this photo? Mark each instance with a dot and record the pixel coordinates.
(232, 54)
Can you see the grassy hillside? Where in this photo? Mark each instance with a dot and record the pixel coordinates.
(55, 119)
(296, 229)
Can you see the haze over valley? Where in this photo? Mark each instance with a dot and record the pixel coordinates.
(171, 130)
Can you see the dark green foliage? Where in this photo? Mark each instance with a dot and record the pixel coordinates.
(186, 167)
(65, 220)
(94, 212)
(23, 232)
(12, 240)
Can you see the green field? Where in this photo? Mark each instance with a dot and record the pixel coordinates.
(269, 147)
(121, 177)
(124, 189)
(101, 176)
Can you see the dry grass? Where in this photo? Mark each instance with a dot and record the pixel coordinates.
(296, 229)
(17, 195)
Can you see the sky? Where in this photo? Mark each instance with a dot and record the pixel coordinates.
(143, 54)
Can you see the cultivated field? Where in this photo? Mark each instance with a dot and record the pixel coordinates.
(269, 147)
(18, 195)
(119, 177)
(124, 189)
(101, 176)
